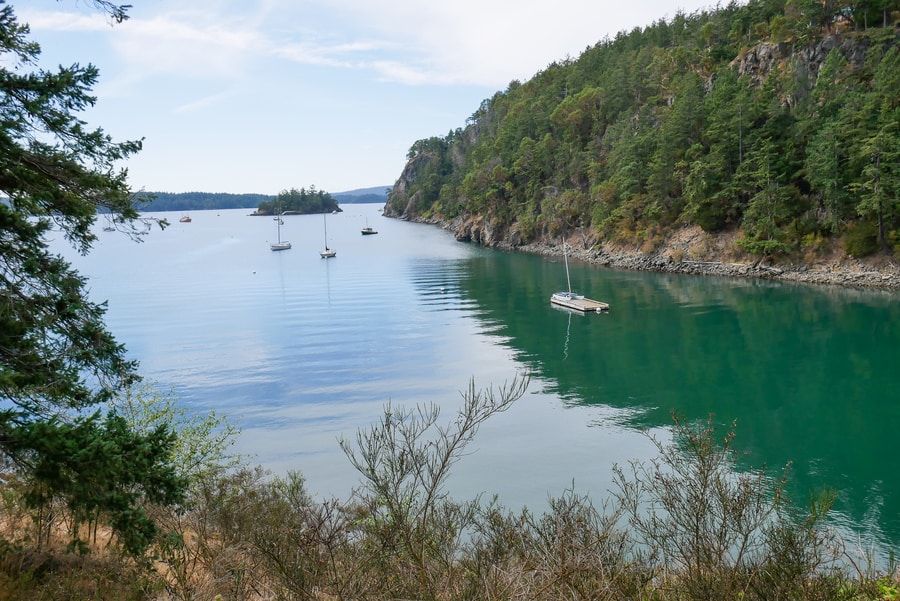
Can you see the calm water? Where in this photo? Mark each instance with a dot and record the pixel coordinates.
(299, 351)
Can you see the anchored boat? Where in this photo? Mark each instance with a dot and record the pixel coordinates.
(571, 300)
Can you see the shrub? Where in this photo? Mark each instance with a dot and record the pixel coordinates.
(716, 532)
(861, 239)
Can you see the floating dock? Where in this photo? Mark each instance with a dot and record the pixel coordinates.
(578, 303)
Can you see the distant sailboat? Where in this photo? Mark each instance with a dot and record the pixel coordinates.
(368, 231)
(281, 244)
(328, 252)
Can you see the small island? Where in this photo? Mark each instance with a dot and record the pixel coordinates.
(298, 202)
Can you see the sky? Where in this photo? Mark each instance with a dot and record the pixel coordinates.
(244, 96)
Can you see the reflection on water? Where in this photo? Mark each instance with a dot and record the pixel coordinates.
(302, 351)
(807, 373)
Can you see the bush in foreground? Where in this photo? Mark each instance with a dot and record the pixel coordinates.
(686, 525)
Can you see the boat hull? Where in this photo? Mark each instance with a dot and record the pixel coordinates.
(577, 302)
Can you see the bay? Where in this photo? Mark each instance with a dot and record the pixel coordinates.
(299, 351)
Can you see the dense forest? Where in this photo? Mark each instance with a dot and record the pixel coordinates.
(199, 201)
(302, 201)
(778, 120)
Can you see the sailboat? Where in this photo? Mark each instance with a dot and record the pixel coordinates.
(368, 230)
(281, 244)
(571, 300)
(328, 252)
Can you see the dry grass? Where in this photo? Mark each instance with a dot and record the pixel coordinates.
(248, 536)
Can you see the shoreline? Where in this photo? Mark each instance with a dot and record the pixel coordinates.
(858, 275)
(690, 251)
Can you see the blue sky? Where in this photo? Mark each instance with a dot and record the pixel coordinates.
(242, 96)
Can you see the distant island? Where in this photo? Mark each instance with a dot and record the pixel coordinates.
(299, 202)
(198, 201)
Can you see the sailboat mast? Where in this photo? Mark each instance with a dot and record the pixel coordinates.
(566, 259)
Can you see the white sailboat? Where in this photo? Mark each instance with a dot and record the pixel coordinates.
(566, 295)
(281, 244)
(570, 300)
(328, 252)
(368, 230)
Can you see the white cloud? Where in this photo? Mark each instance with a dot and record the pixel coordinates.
(312, 82)
(487, 42)
(186, 44)
(203, 103)
(63, 21)
(342, 55)
(466, 42)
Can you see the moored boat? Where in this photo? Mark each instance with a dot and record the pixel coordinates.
(571, 300)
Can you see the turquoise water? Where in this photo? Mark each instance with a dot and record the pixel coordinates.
(299, 351)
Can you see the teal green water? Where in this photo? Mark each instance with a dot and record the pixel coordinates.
(301, 351)
(809, 374)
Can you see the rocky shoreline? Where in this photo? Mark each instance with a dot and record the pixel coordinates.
(691, 251)
(847, 274)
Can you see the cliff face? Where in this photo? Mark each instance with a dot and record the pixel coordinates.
(805, 63)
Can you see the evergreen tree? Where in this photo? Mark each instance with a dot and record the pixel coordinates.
(57, 359)
(878, 186)
(721, 119)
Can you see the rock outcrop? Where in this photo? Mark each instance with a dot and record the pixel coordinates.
(692, 251)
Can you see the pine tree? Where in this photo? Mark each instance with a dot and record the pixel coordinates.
(58, 362)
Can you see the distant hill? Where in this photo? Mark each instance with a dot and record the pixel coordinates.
(198, 201)
(364, 195)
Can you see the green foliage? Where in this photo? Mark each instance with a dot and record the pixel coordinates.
(198, 201)
(718, 118)
(102, 470)
(300, 201)
(723, 530)
(861, 239)
(200, 449)
(57, 360)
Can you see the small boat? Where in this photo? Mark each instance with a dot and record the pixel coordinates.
(281, 244)
(368, 231)
(576, 302)
(328, 252)
(185, 218)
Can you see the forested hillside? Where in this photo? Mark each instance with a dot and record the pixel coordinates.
(197, 201)
(778, 122)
